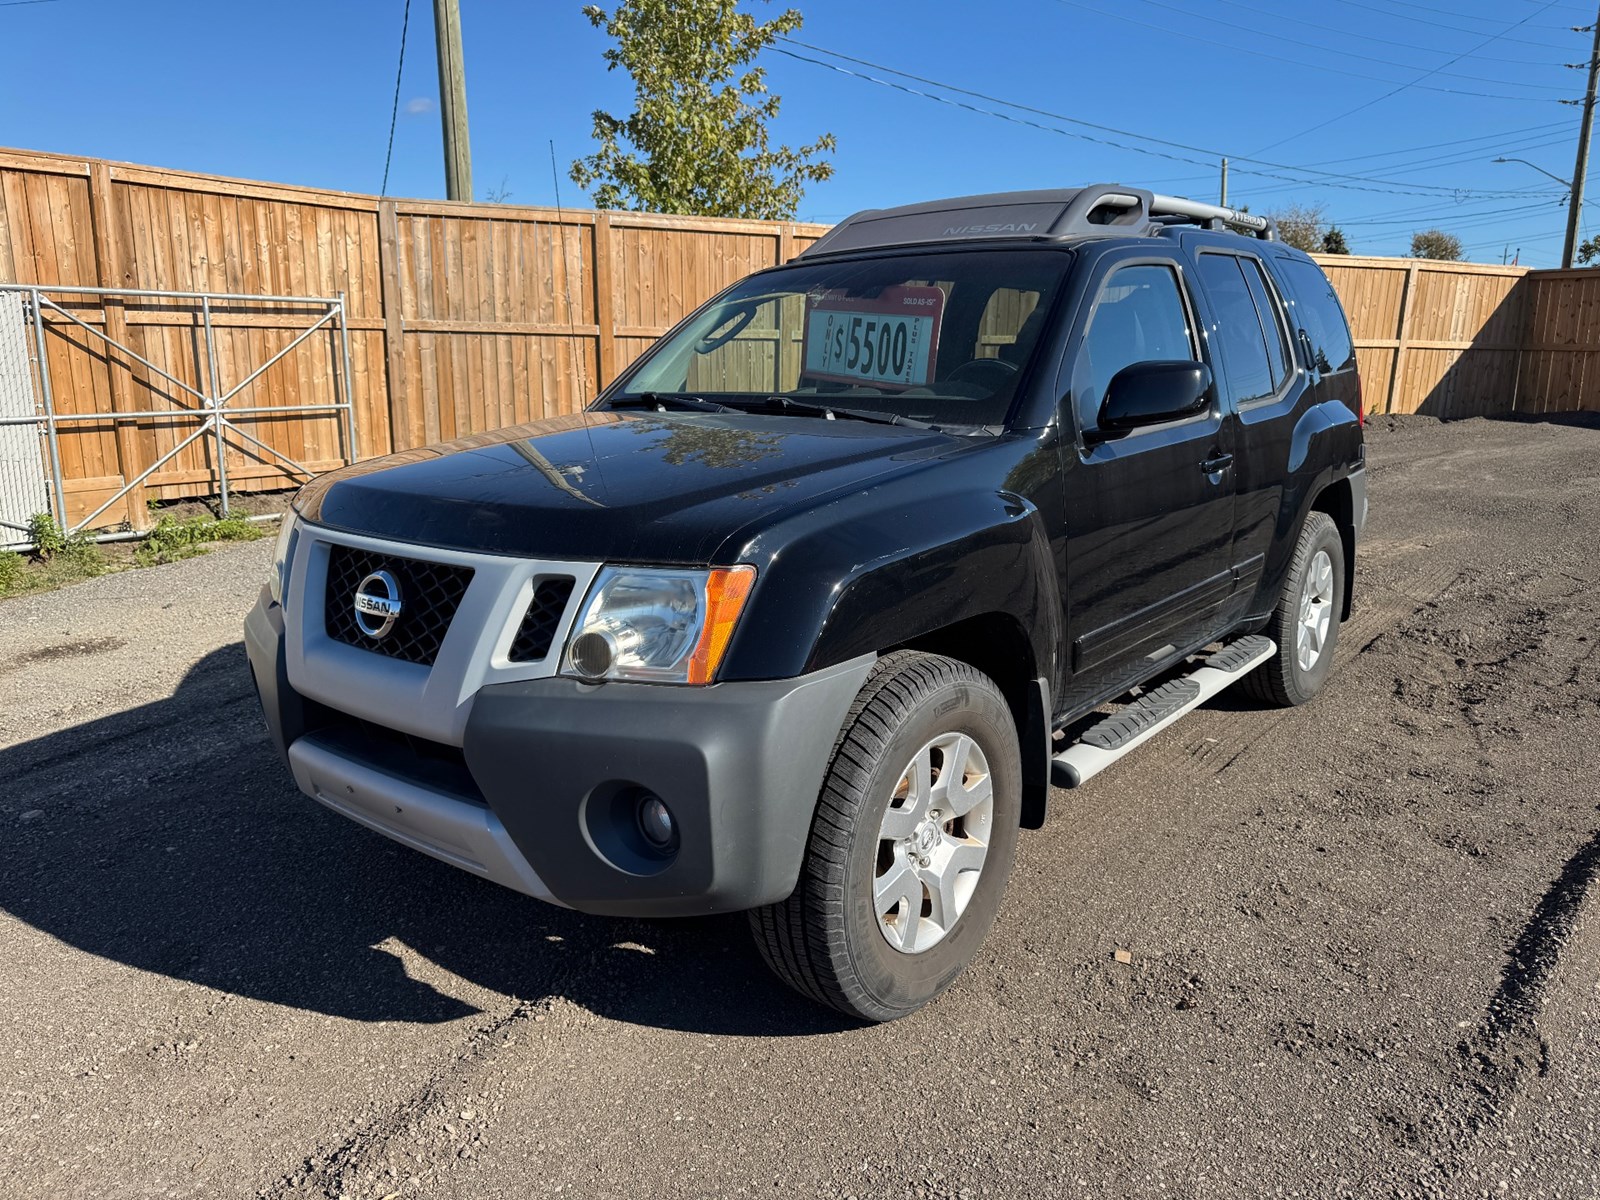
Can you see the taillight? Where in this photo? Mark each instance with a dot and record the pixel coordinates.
(1361, 405)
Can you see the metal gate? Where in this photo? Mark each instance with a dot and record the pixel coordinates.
(22, 475)
(31, 420)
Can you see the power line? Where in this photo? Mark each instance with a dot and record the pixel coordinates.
(1417, 82)
(1447, 12)
(1367, 37)
(1314, 66)
(1452, 160)
(1387, 12)
(1482, 137)
(394, 112)
(1461, 220)
(1393, 187)
(1386, 62)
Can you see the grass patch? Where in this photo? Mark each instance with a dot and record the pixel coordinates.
(60, 558)
(173, 538)
(12, 567)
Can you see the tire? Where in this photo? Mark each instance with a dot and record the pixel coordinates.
(827, 940)
(1315, 581)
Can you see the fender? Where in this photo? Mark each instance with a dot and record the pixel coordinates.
(891, 564)
(999, 562)
(1328, 434)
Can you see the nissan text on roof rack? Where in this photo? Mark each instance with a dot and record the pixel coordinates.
(808, 611)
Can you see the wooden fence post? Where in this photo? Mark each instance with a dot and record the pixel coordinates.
(604, 305)
(108, 273)
(1402, 336)
(789, 365)
(405, 426)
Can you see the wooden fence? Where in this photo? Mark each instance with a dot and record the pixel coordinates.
(461, 317)
(465, 317)
(1433, 337)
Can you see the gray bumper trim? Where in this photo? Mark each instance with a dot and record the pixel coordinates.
(455, 831)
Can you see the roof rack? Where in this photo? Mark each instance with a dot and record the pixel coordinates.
(1100, 210)
(1177, 210)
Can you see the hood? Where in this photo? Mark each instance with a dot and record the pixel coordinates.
(619, 486)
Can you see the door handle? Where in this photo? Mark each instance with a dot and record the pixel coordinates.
(1220, 462)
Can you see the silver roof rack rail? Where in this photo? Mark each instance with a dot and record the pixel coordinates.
(1213, 216)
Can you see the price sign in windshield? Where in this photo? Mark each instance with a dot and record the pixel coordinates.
(890, 338)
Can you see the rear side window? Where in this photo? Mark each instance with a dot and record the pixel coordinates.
(1270, 309)
(1319, 313)
(1140, 317)
(1245, 359)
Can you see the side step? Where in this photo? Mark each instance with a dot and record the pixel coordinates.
(1104, 743)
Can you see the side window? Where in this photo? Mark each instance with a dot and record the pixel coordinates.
(1320, 314)
(1139, 317)
(1245, 359)
(1270, 309)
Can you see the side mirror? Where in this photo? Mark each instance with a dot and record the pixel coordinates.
(1150, 393)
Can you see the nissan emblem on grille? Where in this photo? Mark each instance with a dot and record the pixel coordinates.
(377, 604)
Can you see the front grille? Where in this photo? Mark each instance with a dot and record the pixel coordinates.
(538, 628)
(430, 593)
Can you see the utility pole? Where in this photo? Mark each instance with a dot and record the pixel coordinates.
(453, 100)
(1581, 171)
(1224, 200)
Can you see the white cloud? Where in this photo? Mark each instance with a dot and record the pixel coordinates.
(418, 105)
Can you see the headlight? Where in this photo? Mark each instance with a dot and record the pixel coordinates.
(278, 574)
(657, 625)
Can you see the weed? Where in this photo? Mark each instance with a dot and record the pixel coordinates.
(76, 554)
(58, 558)
(46, 534)
(173, 539)
(11, 569)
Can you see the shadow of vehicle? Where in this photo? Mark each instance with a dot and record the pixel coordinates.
(169, 837)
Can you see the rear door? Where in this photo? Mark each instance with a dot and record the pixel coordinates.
(1263, 391)
(1149, 514)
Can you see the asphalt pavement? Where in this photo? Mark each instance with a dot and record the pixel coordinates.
(1365, 949)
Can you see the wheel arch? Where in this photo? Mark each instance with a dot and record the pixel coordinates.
(1337, 500)
(996, 644)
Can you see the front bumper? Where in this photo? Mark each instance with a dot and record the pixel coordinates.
(541, 795)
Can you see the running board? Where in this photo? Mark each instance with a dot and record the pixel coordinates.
(1124, 731)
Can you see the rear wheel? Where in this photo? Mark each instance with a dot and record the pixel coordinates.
(911, 845)
(1305, 624)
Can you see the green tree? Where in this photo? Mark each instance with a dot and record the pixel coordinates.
(1301, 226)
(1333, 241)
(697, 140)
(1436, 243)
(1589, 250)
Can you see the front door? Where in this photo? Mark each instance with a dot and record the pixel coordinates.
(1149, 513)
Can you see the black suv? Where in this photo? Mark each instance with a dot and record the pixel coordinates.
(808, 611)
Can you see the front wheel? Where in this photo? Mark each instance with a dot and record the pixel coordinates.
(1305, 624)
(911, 845)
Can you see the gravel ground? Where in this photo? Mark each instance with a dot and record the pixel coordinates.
(1365, 960)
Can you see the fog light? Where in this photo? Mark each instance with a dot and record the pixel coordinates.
(655, 822)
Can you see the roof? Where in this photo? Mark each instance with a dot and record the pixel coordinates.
(1057, 214)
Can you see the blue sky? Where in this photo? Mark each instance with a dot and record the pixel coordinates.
(300, 92)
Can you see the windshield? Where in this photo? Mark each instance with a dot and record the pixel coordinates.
(937, 338)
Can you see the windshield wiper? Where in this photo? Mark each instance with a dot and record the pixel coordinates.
(833, 412)
(669, 399)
